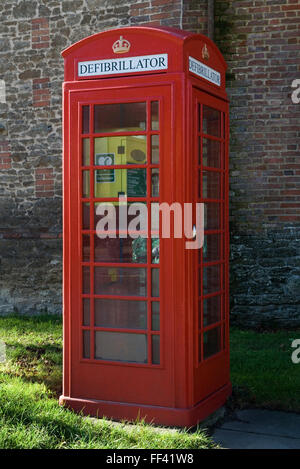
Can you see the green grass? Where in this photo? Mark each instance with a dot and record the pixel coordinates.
(262, 371)
(262, 374)
(34, 349)
(30, 416)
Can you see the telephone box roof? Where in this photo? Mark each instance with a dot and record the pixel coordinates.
(146, 41)
(168, 34)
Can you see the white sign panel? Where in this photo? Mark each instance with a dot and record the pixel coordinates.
(144, 63)
(204, 71)
(105, 159)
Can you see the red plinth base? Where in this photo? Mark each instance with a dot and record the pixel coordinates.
(153, 414)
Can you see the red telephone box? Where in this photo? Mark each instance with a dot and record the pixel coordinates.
(145, 318)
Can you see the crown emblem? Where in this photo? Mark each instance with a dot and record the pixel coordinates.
(121, 46)
(205, 53)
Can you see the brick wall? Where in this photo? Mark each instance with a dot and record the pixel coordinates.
(40, 34)
(194, 16)
(44, 182)
(5, 155)
(261, 43)
(32, 35)
(41, 92)
(155, 12)
(260, 40)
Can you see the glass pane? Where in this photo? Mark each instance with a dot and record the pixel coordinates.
(85, 119)
(121, 347)
(155, 182)
(155, 251)
(211, 151)
(85, 216)
(211, 310)
(211, 185)
(212, 248)
(85, 280)
(211, 121)
(139, 250)
(86, 344)
(120, 117)
(127, 314)
(124, 281)
(211, 342)
(136, 183)
(155, 220)
(211, 279)
(85, 184)
(199, 117)
(155, 149)
(121, 250)
(130, 149)
(212, 217)
(85, 152)
(85, 248)
(155, 318)
(154, 115)
(155, 283)
(156, 349)
(116, 182)
(86, 311)
(131, 216)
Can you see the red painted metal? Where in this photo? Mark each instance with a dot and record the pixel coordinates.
(189, 382)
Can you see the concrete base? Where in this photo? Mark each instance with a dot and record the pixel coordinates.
(152, 414)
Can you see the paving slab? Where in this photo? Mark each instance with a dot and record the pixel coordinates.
(260, 429)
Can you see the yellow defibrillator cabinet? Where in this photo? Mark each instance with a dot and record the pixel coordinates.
(120, 150)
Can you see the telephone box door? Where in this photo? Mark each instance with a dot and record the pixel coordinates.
(121, 313)
(211, 262)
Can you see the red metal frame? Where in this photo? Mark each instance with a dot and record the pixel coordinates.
(215, 368)
(179, 390)
(92, 200)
